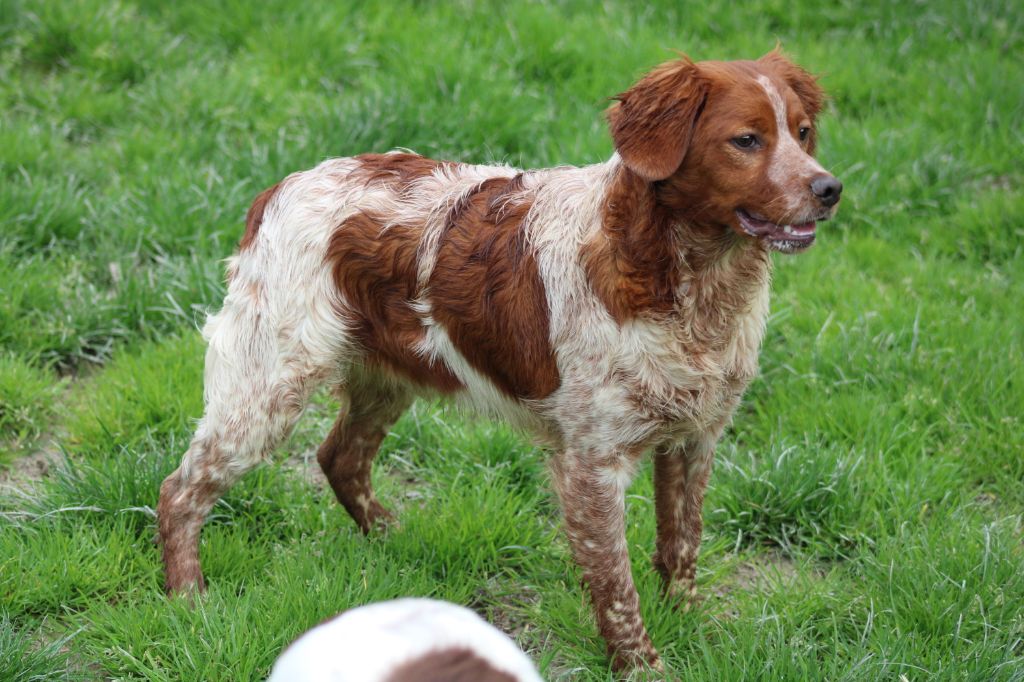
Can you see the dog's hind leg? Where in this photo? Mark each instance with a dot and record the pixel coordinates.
(256, 384)
(370, 407)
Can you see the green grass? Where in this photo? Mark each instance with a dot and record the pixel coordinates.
(28, 393)
(865, 517)
(22, 659)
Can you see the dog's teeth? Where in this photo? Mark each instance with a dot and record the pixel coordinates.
(788, 229)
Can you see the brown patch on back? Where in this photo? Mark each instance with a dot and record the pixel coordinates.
(456, 664)
(631, 264)
(398, 170)
(458, 211)
(376, 270)
(485, 289)
(254, 217)
(487, 293)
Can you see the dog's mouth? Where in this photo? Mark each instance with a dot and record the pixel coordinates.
(785, 238)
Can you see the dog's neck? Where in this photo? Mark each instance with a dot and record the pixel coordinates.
(649, 259)
(720, 265)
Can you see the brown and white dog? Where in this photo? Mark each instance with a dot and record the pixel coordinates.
(608, 310)
(405, 640)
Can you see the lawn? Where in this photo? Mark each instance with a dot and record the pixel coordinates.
(864, 520)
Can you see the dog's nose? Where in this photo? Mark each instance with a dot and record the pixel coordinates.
(827, 188)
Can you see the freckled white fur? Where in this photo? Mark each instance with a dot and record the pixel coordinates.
(617, 476)
(789, 160)
(272, 341)
(615, 617)
(369, 643)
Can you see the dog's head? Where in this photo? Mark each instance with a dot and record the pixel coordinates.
(731, 145)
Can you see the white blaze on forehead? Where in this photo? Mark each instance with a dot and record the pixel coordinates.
(778, 105)
(789, 162)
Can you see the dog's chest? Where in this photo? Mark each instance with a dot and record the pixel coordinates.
(688, 371)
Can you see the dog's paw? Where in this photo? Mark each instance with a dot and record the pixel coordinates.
(639, 663)
(378, 518)
(680, 592)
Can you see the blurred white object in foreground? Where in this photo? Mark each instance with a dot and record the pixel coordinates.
(402, 641)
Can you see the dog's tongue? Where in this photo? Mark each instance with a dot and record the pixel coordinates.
(759, 226)
(763, 228)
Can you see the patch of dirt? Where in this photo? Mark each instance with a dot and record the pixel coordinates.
(35, 466)
(1004, 183)
(986, 499)
(304, 465)
(506, 610)
(768, 571)
(52, 632)
(765, 571)
(45, 455)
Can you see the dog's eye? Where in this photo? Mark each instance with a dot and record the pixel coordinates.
(804, 132)
(745, 141)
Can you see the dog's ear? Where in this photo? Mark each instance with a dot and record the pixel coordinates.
(803, 83)
(652, 122)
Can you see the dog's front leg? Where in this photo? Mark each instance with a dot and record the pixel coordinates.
(680, 477)
(591, 485)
